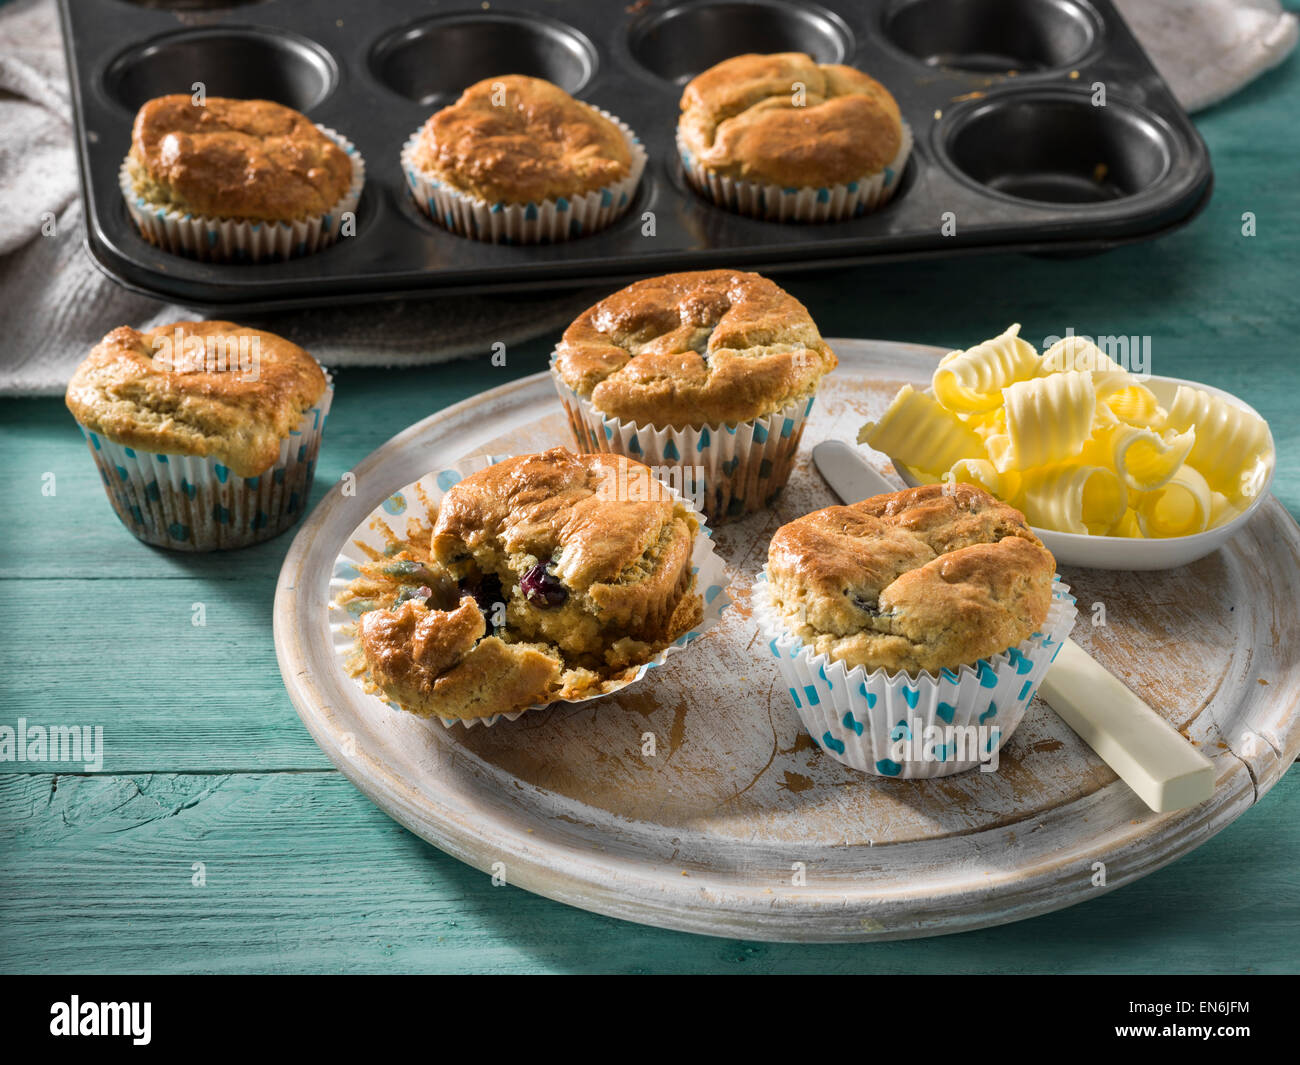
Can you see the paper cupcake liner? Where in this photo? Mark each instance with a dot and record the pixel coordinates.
(806, 203)
(236, 240)
(707, 566)
(731, 470)
(190, 503)
(518, 223)
(898, 725)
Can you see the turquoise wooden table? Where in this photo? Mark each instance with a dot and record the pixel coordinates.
(217, 837)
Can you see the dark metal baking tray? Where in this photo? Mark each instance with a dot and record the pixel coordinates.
(1011, 147)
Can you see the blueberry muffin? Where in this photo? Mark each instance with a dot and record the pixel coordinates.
(926, 579)
(545, 579)
(518, 159)
(233, 178)
(784, 136)
(205, 433)
(712, 369)
(912, 629)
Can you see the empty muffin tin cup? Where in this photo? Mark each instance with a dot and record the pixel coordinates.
(807, 203)
(389, 523)
(432, 61)
(912, 727)
(1053, 146)
(243, 62)
(193, 503)
(238, 240)
(678, 42)
(736, 469)
(994, 36)
(545, 222)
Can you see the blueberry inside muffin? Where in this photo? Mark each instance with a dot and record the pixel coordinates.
(545, 578)
(921, 580)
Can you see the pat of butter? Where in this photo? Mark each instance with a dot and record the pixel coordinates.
(1150, 756)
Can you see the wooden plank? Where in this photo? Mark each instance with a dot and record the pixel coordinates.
(303, 874)
(168, 694)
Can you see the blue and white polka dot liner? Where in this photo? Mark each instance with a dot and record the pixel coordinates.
(231, 239)
(190, 503)
(807, 203)
(412, 500)
(858, 718)
(745, 465)
(547, 222)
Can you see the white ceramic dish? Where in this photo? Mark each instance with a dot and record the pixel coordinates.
(1122, 552)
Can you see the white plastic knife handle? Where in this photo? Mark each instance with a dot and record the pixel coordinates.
(1163, 769)
(1149, 755)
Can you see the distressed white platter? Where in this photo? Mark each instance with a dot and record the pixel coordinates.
(739, 825)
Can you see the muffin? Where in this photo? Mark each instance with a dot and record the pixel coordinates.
(913, 617)
(517, 160)
(237, 179)
(789, 139)
(712, 372)
(205, 433)
(545, 579)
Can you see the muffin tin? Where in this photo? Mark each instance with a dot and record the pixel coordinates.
(1011, 153)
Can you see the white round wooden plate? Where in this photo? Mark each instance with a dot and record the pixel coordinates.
(737, 824)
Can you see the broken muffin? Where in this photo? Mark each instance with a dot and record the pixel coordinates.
(547, 577)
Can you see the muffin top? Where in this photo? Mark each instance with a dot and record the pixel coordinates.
(707, 347)
(516, 139)
(785, 119)
(925, 579)
(246, 159)
(197, 388)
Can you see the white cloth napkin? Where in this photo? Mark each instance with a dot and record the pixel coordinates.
(1208, 49)
(54, 304)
